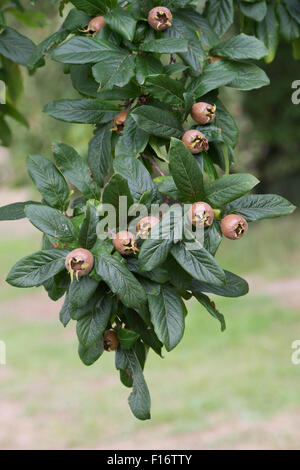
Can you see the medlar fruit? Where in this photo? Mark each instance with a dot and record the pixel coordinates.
(79, 262)
(119, 122)
(195, 141)
(125, 243)
(110, 340)
(234, 226)
(145, 225)
(160, 18)
(96, 24)
(201, 213)
(203, 113)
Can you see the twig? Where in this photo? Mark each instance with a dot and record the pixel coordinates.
(154, 164)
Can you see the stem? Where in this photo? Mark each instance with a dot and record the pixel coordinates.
(154, 164)
(226, 159)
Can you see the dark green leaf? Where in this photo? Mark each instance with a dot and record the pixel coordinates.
(240, 47)
(91, 7)
(167, 186)
(115, 188)
(165, 45)
(260, 206)
(91, 327)
(220, 15)
(49, 181)
(15, 46)
(210, 307)
(122, 22)
(132, 141)
(268, 32)
(64, 314)
(35, 269)
(15, 211)
(99, 154)
(186, 173)
(86, 111)
(51, 221)
(139, 400)
(200, 264)
(127, 338)
(229, 187)
(165, 89)
(147, 65)
(235, 286)
(91, 354)
(157, 122)
(167, 316)
(256, 11)
(88, 235)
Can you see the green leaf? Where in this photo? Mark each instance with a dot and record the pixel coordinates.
(167, 186)
(115, 66)
(206, 302)
(49, 181)
(35, 269)
(248, 77)
(127, 338)
(289, 28)
(167, 316)
(91, 7)
(85, 111)
(157, 121)
(197, 22)
(229, 187)
(200, 264)
(132, 141)
(75, 170)
(92, 326)
(165, 45)
(15, 211)
(293, 8)
(91, 354)
(122, 22)
(186, 173)
(240, 47)
(15, 46)
(115, 188)
(220, 15)
(51, 221)
(256, 11)
(64, 315)
(88, 235)
(183, 30)
(268, 32)
(165, 89)
(139, 400)
(80, 293)
(226, 123)
(99, 153)
(155, 249)
(138, 178)
(260, 206)
(120, 280)
(147, 65)
(80, 50)
(235, 286)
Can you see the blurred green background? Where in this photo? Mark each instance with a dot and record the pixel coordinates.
(234, 390)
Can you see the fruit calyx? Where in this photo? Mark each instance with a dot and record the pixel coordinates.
(234, 226)
(203, 113)
(119, 122)
(145, 225)
(110, 340)
(195, 141)
(79, 262)
(201, 214)
(160, 18)
(125, 243)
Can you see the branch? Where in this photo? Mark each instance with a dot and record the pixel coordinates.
(154, 164)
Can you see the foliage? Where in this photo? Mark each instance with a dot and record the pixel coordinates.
(156, 77)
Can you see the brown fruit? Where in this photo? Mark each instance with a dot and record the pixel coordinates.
(160, 18)
(145, 225)
(234, 226)
(203, 113)
(79, 262)
(96, 24)
(195, 141)
(119, 122)
(200, 213)
(110, 340)
(125, 243)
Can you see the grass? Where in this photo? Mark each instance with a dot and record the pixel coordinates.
(244, 373)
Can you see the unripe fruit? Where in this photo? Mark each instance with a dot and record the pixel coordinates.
(79, 262)
(203, 113)
(119, 122)
(145, 225)
(234, 226)
(160, 18)
(201, 213)
(110, 340)
(96, 24)
(125, 243)
(195, 141)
